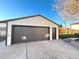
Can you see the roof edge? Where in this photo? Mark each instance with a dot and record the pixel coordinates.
(50, 20)
(5, 21)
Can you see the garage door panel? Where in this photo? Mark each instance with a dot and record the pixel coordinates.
(25, 33)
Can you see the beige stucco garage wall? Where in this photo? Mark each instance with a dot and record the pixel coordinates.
(32, 21)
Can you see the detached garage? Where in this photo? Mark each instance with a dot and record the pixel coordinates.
(32, 28)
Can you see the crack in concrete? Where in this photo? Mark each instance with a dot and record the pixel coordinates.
(26, 52)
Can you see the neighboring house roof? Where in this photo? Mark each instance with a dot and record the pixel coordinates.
(75, 23)
(27, 17)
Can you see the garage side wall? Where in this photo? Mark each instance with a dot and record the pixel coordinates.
(33, 21)
(2, 31)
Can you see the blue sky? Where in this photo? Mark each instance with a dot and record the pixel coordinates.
(18, 8)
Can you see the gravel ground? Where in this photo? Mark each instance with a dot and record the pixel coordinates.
(55, 49)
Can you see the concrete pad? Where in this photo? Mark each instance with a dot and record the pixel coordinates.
(55, 49)
(17, 51)
(51, 50)
(2, 44)
(74, 44)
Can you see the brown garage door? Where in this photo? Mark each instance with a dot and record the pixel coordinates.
(29, 33)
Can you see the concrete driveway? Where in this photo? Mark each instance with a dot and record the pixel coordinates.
(2, 44)
(74, 44)
(40, 50)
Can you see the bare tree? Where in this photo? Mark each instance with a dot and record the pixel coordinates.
(72, 6)
(67, 9)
